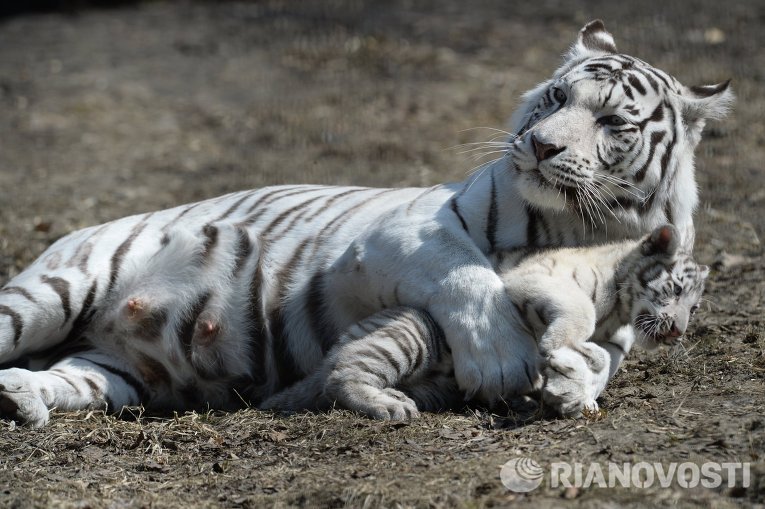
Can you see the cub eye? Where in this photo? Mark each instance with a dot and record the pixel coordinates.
(694, 308)
(559, 95)
(678, 289)
(612, 120)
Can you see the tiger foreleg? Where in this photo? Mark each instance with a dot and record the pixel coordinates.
(91, 380)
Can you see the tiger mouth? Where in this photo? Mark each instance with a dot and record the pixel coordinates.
(561, 185)
(648, 325)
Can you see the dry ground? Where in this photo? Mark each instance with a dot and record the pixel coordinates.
(110, 112)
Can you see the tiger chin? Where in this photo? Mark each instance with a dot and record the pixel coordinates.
(573, 303)
(235, 298)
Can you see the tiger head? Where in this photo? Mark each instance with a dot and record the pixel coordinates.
(612, 138)
(662, 287)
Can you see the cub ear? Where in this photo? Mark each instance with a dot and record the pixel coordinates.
(663, 240)
(704, 271)
(704, 102)
(593, 40)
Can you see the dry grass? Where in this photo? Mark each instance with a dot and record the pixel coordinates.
(113, 112)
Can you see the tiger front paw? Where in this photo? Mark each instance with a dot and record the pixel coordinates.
(21, 399)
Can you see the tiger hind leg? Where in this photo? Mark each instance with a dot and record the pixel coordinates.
(89, 380)
(385, 353)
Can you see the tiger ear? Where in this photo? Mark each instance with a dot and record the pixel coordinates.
(704, 270)
(705, 102)
(593, 40)
(663, 240)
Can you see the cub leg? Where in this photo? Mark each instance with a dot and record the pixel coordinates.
(90, 380)
(575, 370)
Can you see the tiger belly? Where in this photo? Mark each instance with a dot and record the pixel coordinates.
(209, 303)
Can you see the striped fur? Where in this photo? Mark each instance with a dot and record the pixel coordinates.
(234, 298)
(572, 302)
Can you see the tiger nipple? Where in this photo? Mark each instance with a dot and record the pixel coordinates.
(207, 331)
(135, 308)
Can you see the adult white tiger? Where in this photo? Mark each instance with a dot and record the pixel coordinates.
(605, 150)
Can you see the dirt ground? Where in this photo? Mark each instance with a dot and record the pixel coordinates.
(107, 112)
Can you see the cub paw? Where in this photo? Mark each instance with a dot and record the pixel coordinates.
(568, 383)
(391, 404)
(21, 400)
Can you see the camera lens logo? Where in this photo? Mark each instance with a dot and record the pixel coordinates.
(521, 475)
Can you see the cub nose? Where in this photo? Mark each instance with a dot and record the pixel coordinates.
(545, 150)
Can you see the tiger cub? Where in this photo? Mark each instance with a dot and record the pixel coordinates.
(572, 301)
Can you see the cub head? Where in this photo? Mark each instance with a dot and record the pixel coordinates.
(611, 138)
(664, 287)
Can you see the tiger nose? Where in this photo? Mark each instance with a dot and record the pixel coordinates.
(545, 150)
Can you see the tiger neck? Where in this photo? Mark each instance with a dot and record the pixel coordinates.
(491, 209)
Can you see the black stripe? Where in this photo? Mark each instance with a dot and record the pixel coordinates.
(233, 207)
(332, 200)
(259, 207)
(185, 328)
(635, 82)
(669, 148)
(656, 116)
(456, 210)
(491, 219)
(284, 215)
(659, 75)
(122, 250)
(211, 240)
(318, 313)
(62, 376)
(388, 356)
(243, 249)
(286, 366)
(651, 81)
(628, 91)
(274, 195)
(83, 318)
(656, 138)
(403, 343)
(19, 291)
(61, 287)
(256, 319)
(610, 91)
(16, 321)
(366, 369)
(63, 350)
(179, 216)
(132, 381)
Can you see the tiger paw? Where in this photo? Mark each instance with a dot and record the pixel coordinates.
(568, 385)
(21, 399)
(392, 404)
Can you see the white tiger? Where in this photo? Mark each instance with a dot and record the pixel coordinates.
(604, 151)
(569, 302)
